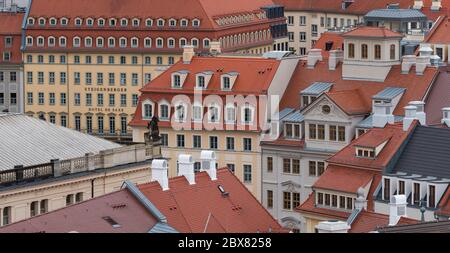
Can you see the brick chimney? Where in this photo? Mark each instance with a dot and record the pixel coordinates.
(209, 159)
(314, 56)
(188, 54)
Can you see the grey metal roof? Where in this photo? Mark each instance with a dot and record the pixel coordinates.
(162, 228)
(317, 88)
(284, 112)
(276, 54)
(396, 14)
(368, 122)
(389, 93)
(29, 141)
(425, 227)
(296, 117)
(426, 153)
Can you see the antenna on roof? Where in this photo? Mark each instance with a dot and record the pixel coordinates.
(207, 222)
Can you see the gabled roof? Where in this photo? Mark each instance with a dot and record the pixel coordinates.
(439, 97)
(425, 227)
(201, 207)
(350, 101)
(369, 221)
(372, 32)
(295, 117)
(29, 141)
(427, 153)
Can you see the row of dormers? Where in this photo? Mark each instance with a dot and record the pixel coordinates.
(238, 19)
(110, 42)
(203, 79)
(113, 22)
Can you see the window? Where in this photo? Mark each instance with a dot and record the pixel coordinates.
(320, 198)
(148, 60)
(100, 99)
(302, 36)
(392, 52)
(89, 124)
(213, 142)
(349, 203)
(341, 131)
(230, 143)
(148, 22)
(52, 98)
(53, 119)
(416, 197)
(302, 20)
(77, 78)
(29, 58)
(194, 42)
(286, 165)
(78, 123)
(290, 20)
(164, 111)
(295, 166)
(147, 77)
(88, 77)
(123, 42)
(79, 197)
(312, 131)
(41, 98)
(13, 98)
(364, 51)
(197, 167)
(69, 199)
(247, 173)
(29, 77)
(134, 60)
(159, 43)
(197, 141)
(111, 79)
(123, 79)
(100, 124)
(6, 215)
(77, 97)
(291, 36)
(40, 77)
(248, 115)
(333, 132)
(231, 114)
(99, 78)
(164, 140)
(295, 199)
(327, 199)
(63, 98)
(269, 199)
(148, 111)
(195, 23)
(176, 81)
(377, 52)
(159, 60)
(112, 125)
(231, 167)
(62, 77)
(341, 202)
(62, 59)
(321, 132)
(111, 42)
(34, 208)
(247, 144)
(135, 99)
(401, 187)
(134, 79)
(314, 32)
(213, 114)
(2, 98)
(312, 168)
(13, 77)
(432, 196)
(44, 206)
(180, 140)
(334, 200)
(320, 168)
(287, 201)
(269, 164)
(351, 50)
(180, 113)
(123, 100)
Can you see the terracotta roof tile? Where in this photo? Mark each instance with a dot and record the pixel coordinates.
(343, 179)
(439, 34)
(370, 221)
(368, 31)
(11, 25)
(350, 101)
(187, 207)
(308, 207)
(326, 37)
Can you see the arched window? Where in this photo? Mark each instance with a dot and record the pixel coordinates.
(100, 42)
(377, 52)
(51, 41)
(182, 42)
(159, 42)
(194, 42)
(76, 42)
(64, 21)
(392, 52)
(195, 23)
(30, 21)
(247, 114)
(88, 42)
(29, 41)
(351, 50)
(230, 113)
(53, 21)
(184, 22)
(160, 22)
(101, 22)
(134, 42)
(172, 22)
(41, 21)
(197, 112)
(147, 42)
(124, 22)
(123, 42)
(148, 22)
(40, 41)
(180, 112)
(364, 51)
(170, 42)
(206, 43)
(112, 22)
(213, 113)
(136, 22)
(78, 21)
(111, 42)
(62, 41)
(89, 22)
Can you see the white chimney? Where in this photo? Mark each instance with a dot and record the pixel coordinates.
(420, 113)
(421, 64)
(446, 116)
(314, 56)
(209, 163)
(334, 227)
(360, 202)
(188, 54)
(215, 48)
(407, 63)
(410, 116)
(418, 4)
(382, 115)
(436, 5)
(336, 56)
(186, 168)
(397, 209)
(435, 60)
(160, 171)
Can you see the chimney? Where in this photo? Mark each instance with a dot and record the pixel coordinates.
(333, 226)
(382, 115)
(410, 116)
(420, 112)
(361, 202)
(314, 56)
(407, 63)
(186, 168)
(397, 209)
(421, 64)
(215, 48)
(435, 60)
(336, 56)
(446, 116)
(425, 50)
(188, 53)
(418, 4)
(436, 5)
(160, 173)
(209, 163)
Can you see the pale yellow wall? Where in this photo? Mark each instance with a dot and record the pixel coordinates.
(21, 198)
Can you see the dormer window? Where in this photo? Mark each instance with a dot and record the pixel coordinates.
(62, 41)
(40, 41)
(134, 42)
(172, 22)
(159, 42)
(41, 21)
(101, 22)
(147, 42)
(184, 23)
(194, 42)
(29, 41)
(164, 111)
(170, 42)
(124, 22)
(226, 83)
(51, 41)
(135, 22)
(365, 152)
(182, 42)
(89, 22)
(160, 22)
(76, 42)
(111, 42)
(176, 81)
(307, 100)
(123, 42)
(112, 22)
(147, 109)
(148, 22)
(100, 42)
(30, 21)
(292, 131)
(53, 21)
(201, 82)
(78, 21)
(64, 21)
(195, 23)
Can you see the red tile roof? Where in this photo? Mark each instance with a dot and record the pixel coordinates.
(350, 101)
(254, 78)
(11, 26)
(439, 34)
(285, 142)
(188, 207)
(344, 179)
(374, 32)
(416, 86)
(308, 207)
(370, 221)
(396, 137)
(86, 217)
(326, 37)
(359, 7)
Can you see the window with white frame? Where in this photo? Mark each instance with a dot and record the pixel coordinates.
(134, 42)
(88, 42)
(226, 83)
(292, 131)
(30, 21)
(176, 83)
(194, 42)
(195, 23)
(124, 22)
(100, 42)
(29, 41)
(147, 42)
(197, 114)
(159, 42)
(51, 41)
(172, 22)
(247, 114)
(182, 42)
(180, 113)
(40, 41)
(41, 21)
(135, 22)
(111, 42)
(76, 42)
(230, 113)
(101, 22)
(184, 23)
(78, 22)
(89, 22)
(148, 22)
(112, 22)
(62, 41)
(53, 21)
(123, 42)
(200, 82)
(147, 109)
(164, 111)
(160, 22)
(206, 43)
(213, 112)
(171, 43)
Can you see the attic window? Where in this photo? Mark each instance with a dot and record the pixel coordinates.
(111, 222)
(201, 82)
(365, 152)
(176, 81)
(226, 83)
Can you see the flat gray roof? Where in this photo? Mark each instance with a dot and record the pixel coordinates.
(396, 14)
